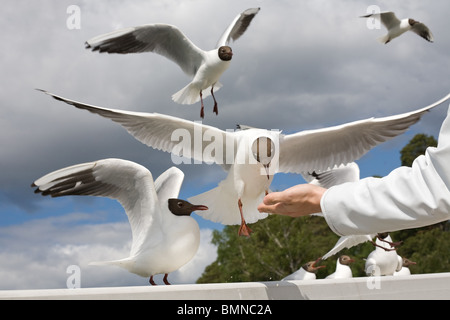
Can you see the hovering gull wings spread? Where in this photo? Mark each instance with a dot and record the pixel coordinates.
(423, 31)
(163, 39)
(237, 28)
(129, 183)
(163, 132)
(325, 148)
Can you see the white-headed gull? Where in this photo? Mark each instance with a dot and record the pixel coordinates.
(383, 260)
(306, 272)
(343, 270)
(165, 237)
(249, 173)
(406, 263)
(205, 67)
(397, 27)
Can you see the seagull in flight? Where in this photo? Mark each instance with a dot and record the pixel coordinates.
(252, 156)
(165, 236)
(397, 27)
(205, 67)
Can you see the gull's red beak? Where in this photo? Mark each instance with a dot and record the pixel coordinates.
(199, 208)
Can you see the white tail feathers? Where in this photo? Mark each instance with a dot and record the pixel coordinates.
(384, 39)
(191, 93)
(223, 207)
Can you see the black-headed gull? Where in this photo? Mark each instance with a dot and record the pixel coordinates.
(383, 260)
(205, 67)
(306, 272)
(343, 270)
(250, 175)
(397, 27)
(406, 263)
(165, 237)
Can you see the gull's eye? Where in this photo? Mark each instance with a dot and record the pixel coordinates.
(180, 204)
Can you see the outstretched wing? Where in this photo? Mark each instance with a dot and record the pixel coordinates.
(423, 31)
(237, 27)
(320, 150)
(180, 137)
(388, 19)
(168, 185)
(337, 175)
(347, 242)
(128, 182)
(163, 39)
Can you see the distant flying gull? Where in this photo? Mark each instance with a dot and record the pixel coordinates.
(397, 27)
(205, 67)
(382, 262)
(253, 156)
(343, 270)
(165, 237)
(406, 263)
(306, 272)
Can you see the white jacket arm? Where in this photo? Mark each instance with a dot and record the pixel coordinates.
(407, 198)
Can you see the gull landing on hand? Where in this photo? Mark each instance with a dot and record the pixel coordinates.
(397, 27)
(205, 67)
(165, 237)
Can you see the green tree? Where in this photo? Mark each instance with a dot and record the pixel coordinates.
(415, 148)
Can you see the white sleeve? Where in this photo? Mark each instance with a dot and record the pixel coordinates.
(407, 198)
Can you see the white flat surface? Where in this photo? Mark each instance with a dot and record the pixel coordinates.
(417, 287)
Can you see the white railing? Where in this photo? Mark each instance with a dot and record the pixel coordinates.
(426, 286)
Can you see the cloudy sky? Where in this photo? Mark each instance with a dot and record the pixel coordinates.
(301, 65)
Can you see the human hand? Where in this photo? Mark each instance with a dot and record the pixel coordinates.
(300, 200)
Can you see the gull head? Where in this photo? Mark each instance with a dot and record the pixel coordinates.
(263, 150)
(183, 208)
(412, 22)
(225, 53)
(345, 260)
(311, 266)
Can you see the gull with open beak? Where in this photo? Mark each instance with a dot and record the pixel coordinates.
(307, 272)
